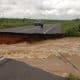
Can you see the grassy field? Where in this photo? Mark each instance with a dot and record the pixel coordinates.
(6, 23)
(70, 27)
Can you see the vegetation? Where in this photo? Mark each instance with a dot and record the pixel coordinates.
(70, 27)
(6, 23)
(73, 77)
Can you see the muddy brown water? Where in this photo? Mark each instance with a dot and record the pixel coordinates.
(45, 54)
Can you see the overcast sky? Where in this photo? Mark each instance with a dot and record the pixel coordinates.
(48, 9)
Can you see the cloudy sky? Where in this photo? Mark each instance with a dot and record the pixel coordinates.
(48, 9)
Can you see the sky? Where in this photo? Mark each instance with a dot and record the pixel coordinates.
(40, 9)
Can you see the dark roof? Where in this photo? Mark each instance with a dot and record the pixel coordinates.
(48, 29)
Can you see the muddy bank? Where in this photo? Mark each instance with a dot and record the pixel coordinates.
(12, 38)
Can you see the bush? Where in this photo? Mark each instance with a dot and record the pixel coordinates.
(73, 77)
(79, 27)
(73, 31)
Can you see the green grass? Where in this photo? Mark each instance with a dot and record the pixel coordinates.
(73, 77)
(6, 23)
(68, 26)
(71, 28)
